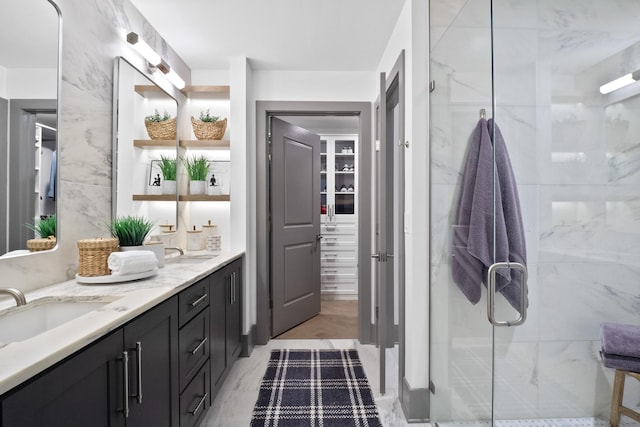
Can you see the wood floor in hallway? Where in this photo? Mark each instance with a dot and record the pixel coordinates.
(338, 319)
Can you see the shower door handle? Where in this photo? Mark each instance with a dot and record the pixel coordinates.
(491, 288)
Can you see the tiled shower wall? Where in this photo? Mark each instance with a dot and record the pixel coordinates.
(576, 158)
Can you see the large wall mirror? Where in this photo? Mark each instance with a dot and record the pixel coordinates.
(145, 143)
(30, 50)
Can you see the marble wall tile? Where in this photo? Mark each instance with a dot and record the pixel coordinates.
(93, 35)
(571, 380)
(577, 297)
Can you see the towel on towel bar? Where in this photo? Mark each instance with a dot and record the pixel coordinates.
(620, 340)
(131, 262)
(473, 229)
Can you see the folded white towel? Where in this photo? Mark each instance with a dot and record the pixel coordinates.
(131, 262)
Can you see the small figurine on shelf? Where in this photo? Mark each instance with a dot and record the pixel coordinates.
(156, 181)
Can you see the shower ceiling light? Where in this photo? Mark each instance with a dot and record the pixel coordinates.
(621, 82)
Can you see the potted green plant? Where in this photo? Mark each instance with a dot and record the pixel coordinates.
(197, 168)
(131, 231)
(46, 231)
(160, 126)
(169, 169)
(208, 126)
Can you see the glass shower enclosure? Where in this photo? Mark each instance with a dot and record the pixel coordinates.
(535, 67)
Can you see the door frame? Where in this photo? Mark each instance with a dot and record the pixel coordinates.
(264, 110)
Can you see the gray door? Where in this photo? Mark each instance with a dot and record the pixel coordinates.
(295, 220)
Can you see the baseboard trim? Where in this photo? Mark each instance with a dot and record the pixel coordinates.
(249, 342)
(415, 403)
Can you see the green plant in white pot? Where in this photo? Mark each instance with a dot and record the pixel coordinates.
(197, 168)
(131, 231)
(169, 169)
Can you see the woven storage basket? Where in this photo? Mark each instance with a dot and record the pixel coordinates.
(161, 130)
(209, 130)
(35, 245)
(93, 256)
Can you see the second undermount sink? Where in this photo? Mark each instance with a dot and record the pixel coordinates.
(189, 259)
(26, 321)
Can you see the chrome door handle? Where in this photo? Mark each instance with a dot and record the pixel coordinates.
(491, 288)
(319, 236)
(199, 300)
(199, 346)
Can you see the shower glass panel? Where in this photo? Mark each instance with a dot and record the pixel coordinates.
(576, 159)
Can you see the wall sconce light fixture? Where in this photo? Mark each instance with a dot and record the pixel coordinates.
(154, 59)
(621, 82)
(171, 75)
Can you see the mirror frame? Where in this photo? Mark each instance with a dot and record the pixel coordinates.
(5, 216)
(114, 133)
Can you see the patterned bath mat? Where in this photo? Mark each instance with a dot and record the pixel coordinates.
(315, 388)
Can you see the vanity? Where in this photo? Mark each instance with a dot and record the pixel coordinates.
(152, 352)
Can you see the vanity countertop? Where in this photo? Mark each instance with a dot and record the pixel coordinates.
(19, 361)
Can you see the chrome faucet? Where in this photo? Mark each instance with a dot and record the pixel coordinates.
(16, 294)
(174, 249)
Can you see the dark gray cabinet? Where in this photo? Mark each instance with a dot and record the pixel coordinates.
(89, 388)
(83, 390)
(226, 321)
(151, 341)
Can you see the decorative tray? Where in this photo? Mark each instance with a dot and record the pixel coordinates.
(115, 278)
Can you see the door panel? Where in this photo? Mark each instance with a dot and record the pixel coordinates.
(295, 247)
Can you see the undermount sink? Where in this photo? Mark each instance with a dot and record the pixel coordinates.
(189, 259)
(38, 316)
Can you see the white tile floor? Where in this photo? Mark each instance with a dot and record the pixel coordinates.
(234, 404)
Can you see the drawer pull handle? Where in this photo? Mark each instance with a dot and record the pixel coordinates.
(199, 346)
(199, 405)
(199, 300)
(330, 271)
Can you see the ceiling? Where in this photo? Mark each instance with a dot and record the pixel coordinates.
(32, 26)
(319, 35)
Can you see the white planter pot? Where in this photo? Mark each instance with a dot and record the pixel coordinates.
(169, 187)
(196, 187)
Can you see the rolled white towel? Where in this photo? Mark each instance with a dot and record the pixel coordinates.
(131, 262)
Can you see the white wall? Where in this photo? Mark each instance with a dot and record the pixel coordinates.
(3, 83)
(411, 34)
(31, 83)
(355, 86)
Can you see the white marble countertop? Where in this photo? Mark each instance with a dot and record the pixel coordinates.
(22, 360)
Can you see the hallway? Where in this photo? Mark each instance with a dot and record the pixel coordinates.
(338, 319)
(234, 404)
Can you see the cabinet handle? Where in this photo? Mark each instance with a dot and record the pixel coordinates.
(330, 271)
(233, 275)
(125, 382)
(139, 356)
(199, 405)
(199, 346)
(199, 300)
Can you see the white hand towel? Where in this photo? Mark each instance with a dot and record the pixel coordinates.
(131, 262)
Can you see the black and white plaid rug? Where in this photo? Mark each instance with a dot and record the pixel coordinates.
(315, 388)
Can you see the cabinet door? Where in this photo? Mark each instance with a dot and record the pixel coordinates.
(218, 303)
(152, 343)
(84, 390)
(233, 319)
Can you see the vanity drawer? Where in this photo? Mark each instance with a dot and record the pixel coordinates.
(195, 399)
(192, 300)
(193, 343)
